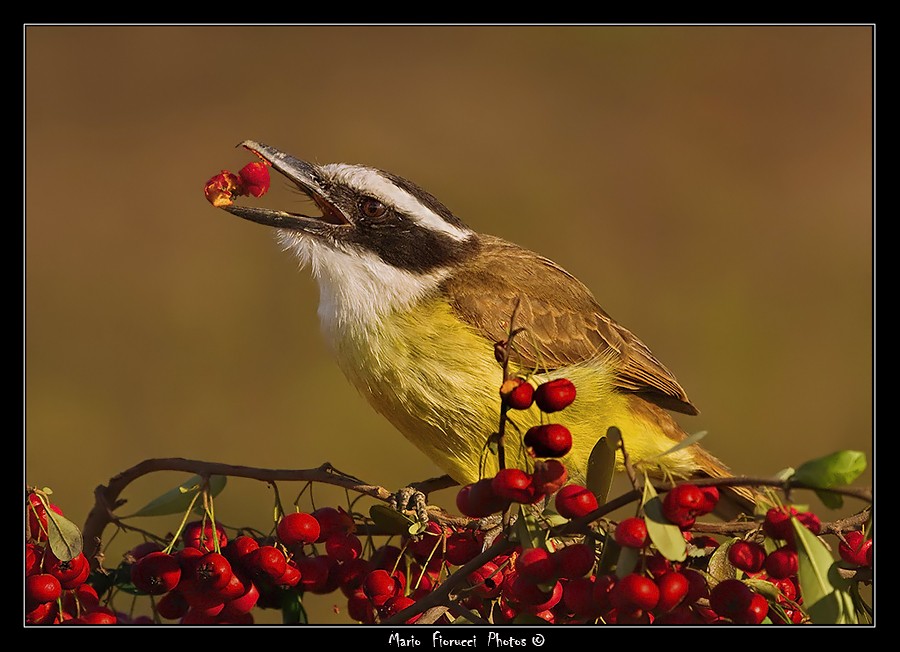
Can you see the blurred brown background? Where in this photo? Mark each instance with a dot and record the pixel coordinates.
(712, 185)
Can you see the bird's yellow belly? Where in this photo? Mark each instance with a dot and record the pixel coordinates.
(437, 381)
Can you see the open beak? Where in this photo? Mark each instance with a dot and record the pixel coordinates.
(308, 179)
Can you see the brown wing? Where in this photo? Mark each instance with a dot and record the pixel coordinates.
(564, 324)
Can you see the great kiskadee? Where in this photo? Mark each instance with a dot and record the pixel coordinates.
(412, 302)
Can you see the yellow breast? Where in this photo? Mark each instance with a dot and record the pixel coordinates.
(436, 379)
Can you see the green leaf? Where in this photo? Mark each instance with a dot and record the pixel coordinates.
(527, 531)
(825, 595)
(178, 499)
(609, 556)
(292, 611)
(837, 469)
(627, 561)
(390, 520)
(690, 440)
(601, 467)
(830, 499)
(719, 566)
(784, 474)
(666, 536)
(63, 536)
(764, 587)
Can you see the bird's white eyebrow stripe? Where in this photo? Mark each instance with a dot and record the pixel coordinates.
(371, 182)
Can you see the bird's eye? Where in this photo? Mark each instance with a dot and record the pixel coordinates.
(371, 207)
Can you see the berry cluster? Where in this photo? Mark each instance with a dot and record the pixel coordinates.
(648, 568)
(253, 179)
(56, 590)
(212, 579)
(546, 442)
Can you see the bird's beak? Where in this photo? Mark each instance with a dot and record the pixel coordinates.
(308, 180)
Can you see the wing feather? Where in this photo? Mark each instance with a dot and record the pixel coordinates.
(564, 325)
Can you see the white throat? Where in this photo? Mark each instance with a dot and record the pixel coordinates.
(356, 289)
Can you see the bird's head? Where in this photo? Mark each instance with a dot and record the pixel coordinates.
(380, 243)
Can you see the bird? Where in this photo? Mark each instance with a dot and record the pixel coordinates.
(413, 302)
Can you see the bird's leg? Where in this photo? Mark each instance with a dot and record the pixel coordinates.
(414, 496)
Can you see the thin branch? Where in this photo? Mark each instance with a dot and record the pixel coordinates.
(106, 497)
(441, 595)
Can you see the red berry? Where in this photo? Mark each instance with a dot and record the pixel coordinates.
(239, 548)
(574, 501)
(517, 393)
(549, 440)
(748, 556)
(34, 554)
(635, 592)
(359, 608)
(514, 485)
(173, 605)
(536, 564)
(548, 477)
(574, 560)
(350, 575)
(311, 573)
(212, 572)
(486, 581)
(657, 565)
(547, 601)
(682, 504)
(856, 549)
(81, 598)
(710, 499)
(44, 613)
(478, 500)
(528, 595)
(298, 528)
(101, 616)
(293, 575)
(379, 586)
(787, 589)
(255, 178)
(220, 189)
(756, 611)
(555, 395)
(245, 602)
(143, 549)
(266, 561)
(41, 587)
(395, 605)
(156, 573)
(632, 533)
(71, 573)
(343, 546)
(730, 598)
(463, 546)
(697, 586)
(782, 563)
(578, 597)
(603, 586)
(673, 587)
(332, 520)
(203, 537)
(777, 523)
(810, 521)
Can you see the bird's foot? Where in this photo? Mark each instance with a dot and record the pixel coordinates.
(410, 499)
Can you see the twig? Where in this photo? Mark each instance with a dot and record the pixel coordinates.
(106, 497)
